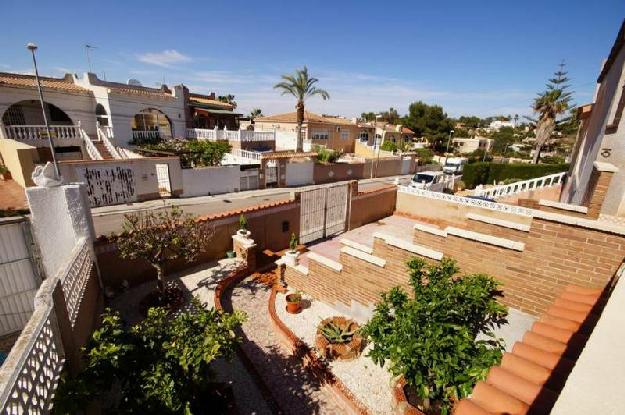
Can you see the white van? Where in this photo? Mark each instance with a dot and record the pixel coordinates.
(429, 180)
(454, 165)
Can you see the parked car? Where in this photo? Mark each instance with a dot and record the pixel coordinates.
(429, 180)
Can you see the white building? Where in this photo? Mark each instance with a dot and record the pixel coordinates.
(498, 124)
(469, 145)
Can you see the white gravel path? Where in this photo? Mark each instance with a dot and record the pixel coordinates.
(369, 382)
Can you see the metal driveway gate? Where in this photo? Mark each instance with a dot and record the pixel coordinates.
(323, 212)
(162, 175)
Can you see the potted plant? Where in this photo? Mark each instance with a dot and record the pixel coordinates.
(437, 340)
(291, 254)
(338, 338)
(5, 174)
(243, 227)
(294, 302)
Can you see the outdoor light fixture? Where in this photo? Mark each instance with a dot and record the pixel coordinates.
(32, 48)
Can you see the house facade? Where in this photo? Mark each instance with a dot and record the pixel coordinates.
(206, 111)
(601, 137)
(332, 132)
(469, 145)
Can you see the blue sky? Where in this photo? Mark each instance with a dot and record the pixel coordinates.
(472, 57)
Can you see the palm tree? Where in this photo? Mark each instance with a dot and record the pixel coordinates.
(228, 99)
(301, 86)
(255, 113)
(549, 105)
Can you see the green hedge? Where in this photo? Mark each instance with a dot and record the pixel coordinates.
(485, 173)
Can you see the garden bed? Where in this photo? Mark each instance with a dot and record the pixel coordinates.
(369, 383)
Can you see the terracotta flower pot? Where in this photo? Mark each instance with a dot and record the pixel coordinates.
(293, 303)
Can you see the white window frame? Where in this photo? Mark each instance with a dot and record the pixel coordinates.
(320, 134)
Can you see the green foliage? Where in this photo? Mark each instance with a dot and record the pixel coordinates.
(552, 160)
(300, 85)
(471, 121)
(3, 169)
(159, 366)
(161, 236)
(424, 155)
(430, 337)
(293, 242)
(389, 146)
(502, 140)
(193, 153)
(479, 155)
(242, 222)
(368, 116)
(337, 333)
(429, 121)
(486, 173)
(325, 155)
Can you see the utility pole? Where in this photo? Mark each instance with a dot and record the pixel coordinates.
(32, 48)
(451, 132)
(87, 49)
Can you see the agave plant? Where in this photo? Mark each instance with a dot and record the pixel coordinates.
(337, 333)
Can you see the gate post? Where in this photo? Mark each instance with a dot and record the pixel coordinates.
(352, 191)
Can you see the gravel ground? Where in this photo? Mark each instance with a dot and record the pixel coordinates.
(201, 281)
(369, 382)
(294, 389)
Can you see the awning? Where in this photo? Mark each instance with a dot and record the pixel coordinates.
(215, 111)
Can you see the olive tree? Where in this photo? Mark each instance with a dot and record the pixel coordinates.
(162, 236)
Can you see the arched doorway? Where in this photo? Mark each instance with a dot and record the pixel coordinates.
(29, 113)
(151, 125)
(101, 115)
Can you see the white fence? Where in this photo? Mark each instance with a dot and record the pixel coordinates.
(19, 277)
(467, 201)
(230, 135)
(142, 135)
(520, 187)
(29, 376)
(38, 132)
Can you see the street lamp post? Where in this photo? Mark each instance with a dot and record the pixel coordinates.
(451, 132)
(32, 48)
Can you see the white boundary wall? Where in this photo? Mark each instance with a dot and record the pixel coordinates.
(210, 180)
(299, 174)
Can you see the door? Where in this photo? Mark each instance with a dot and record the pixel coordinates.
(323, 212)
(162, 176)
(271, 173)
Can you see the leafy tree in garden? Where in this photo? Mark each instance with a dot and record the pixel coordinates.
(159, 366)
(368, 116)
(255, 113)
(162, 236)
(431, 337)
(192, 153)
(470, 121)
(301, 86)
(429, 121)
(391, 116)
(502, 140)
(549, 105)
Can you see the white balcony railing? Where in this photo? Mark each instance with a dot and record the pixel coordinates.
(519, 187)
(38, 132)
(230, 135)
(238, 156)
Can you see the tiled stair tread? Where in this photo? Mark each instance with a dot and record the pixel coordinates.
(468, 407)
(495, 400)
(357, 245)
(573, 305)
(380, 262)
(552, 332)
(531, 376)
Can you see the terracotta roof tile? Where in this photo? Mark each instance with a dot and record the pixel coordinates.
(291, 117)
(28, 81)
(208, 100)
(531, 376)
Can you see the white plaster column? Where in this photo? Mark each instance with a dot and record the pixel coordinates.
(61, 217)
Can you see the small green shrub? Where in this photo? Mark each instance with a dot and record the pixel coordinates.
(293, 242)
(242, 222)
(3, 169)
(389, 146)
(487, 173)
(325, 155)
(424, 155)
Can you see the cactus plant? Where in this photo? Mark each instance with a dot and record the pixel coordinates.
(337, 333)
(293, 243)
(242, 222)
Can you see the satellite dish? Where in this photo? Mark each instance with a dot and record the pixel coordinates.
(134, 82)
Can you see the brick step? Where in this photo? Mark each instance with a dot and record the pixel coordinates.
(106, 155)
(520, 388)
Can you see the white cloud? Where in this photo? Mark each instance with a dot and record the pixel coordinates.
(165, 58)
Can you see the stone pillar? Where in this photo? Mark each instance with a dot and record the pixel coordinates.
(245, 249)
(261, 173)
(599, 183)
